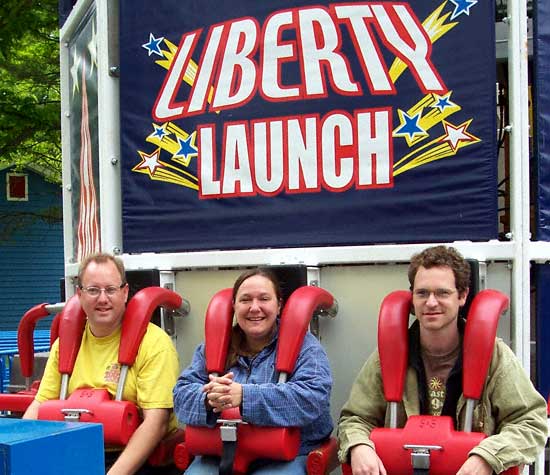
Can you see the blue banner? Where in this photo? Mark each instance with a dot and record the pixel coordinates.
(542, 279)
(541, 54)
(297, 123)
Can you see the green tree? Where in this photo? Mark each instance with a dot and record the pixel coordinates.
(30, 128)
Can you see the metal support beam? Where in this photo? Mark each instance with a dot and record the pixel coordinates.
(519, 178)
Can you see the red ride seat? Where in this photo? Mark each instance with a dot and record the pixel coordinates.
(254, 442)
(432, 440)
(18, 402)
(119, 418)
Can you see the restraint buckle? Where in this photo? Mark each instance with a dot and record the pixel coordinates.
(73, 415)
(420, 455)
(228, 429)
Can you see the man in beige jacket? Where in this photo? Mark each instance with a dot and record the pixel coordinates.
(510, 411)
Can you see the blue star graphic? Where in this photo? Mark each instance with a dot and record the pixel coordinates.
(443, 102)
(462, 6)
(410, 125)
(153, 45)
(186, 147)
(160, 131)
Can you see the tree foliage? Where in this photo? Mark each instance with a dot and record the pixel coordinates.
(29, 85)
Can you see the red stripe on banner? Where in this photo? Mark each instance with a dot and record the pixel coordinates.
(88, 226)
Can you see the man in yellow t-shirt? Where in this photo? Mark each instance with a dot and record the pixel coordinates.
(103, 292)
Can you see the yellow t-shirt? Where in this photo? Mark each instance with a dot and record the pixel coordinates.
(150, 379)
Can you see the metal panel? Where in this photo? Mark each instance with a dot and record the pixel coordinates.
(50, 448)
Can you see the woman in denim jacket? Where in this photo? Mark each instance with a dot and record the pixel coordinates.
(250, 381)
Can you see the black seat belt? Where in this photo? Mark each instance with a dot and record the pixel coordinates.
(228, 433)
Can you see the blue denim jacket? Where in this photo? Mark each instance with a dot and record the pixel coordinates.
(303, 401)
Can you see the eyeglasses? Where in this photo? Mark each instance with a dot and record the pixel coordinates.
(95, 292)
(439, 294)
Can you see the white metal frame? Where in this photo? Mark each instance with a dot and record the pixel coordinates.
(109, 131)
(518, 250)
(67, 32)
(109, 134)
(167, 280)
(519, 177)
(543, 456)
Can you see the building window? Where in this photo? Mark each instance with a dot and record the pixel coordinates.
(17, 187)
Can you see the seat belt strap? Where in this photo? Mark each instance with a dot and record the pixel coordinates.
(228, 432)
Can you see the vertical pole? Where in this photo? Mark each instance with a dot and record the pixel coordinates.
(167, 280)
(519, 177)
(314, 279)
(110, 198)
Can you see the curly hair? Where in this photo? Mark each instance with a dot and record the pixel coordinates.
(442, 256)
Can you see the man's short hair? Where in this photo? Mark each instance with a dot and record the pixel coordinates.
(101, 258)
(442, 256)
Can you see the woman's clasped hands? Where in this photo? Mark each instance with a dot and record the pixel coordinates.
(222, 392)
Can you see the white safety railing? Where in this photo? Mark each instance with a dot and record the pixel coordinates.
(542, 465)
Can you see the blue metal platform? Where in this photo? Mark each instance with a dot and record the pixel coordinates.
(50, 448)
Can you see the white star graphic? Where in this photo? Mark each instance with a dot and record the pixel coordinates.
(150, 161)
(455, 134)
